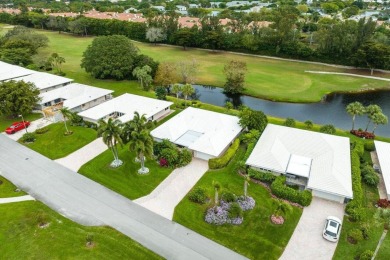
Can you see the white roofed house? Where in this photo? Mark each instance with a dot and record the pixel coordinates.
(9, 71)
(383, 153)
(124, 106)
(315, 161)
(45, 81)
(207, 134)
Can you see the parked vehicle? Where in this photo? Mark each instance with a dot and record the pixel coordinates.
(17, 126)
(332, 229)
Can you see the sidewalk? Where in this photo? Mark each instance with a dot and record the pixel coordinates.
(16, 199)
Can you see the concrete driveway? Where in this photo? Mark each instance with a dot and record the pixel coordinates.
(307, 241)
(34, 125)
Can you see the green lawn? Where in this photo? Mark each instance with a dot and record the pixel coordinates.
(256, 238)
(22, 238)
(54, 144)
(125, 180)
(7, 121)
(7, 189)
(266, 78)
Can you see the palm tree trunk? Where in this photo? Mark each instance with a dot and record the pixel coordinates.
(216, 196)
(369, 121)
(66, 127)
(116, 152)
(353, 122)
(142, 159)
(373, 130)
(245, 188)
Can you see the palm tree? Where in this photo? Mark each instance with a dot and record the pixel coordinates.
(176, 89)
(217, 187)
(187, 90)
(371, 110)
(66, 114)
(379, 119)
(246, 184)
(142, 144)
(111, 133)
(355, 109)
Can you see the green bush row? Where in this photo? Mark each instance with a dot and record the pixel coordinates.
(369, 146)
(261, 176)
(220, 162)
(281, 190)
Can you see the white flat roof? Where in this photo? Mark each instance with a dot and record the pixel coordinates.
(43, 80)
(299, 165)
(127, 104)
(75, 94)
(203, 131)
(383, 152)
(331, 162)
(9, 71)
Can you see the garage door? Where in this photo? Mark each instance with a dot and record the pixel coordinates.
(328, 196)
(202, 156)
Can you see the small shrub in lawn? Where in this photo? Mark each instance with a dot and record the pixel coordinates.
(235, 210)
(28, 138)
(42, 130)
(246, 203)
(42, 219)
(370, 177)
(308, 124)
(89, 240)
(163, 162)
(355, 235)
(383, 203)
(198, 195)
(290, 122)
(228, 197)
(328, 129)
(366, 230)
(219, 215)
(185, 157)
(366, 255)
(369, 146)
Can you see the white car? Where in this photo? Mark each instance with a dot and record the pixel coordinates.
(332, 229)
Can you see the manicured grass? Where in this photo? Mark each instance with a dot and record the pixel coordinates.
(125, 180)
(266, 78)
(54, 144)
(257, 237)
(7, 189)
(22, 238)
(6, 121)
(384, 251)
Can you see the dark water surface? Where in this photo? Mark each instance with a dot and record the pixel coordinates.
(330, 111)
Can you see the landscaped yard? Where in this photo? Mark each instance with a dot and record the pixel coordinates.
(7, 121)
(267, 78)
(21, 237)
(125, 180)
(7, 189)
(256, 238)
(54, 144)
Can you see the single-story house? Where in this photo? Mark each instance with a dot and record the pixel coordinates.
(316, 161)
(45, 81)
(181, 8)
(9, 71)
(383, 153)
(207, 134)
(158, 7)
(76, 97)
(124, 106)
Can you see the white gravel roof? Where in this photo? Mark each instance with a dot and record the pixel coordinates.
(127, 104)
(203, 131)
(75, 94)
(383, 152)
(43, 80)
(330, 169)
(9, 71)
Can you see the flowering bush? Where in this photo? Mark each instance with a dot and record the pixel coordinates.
(383, 203)
(277, 220)
(363, 134)
(246, 203)
(163, 162)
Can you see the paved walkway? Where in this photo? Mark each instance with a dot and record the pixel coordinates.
(347, 74)
(307, 242)
(80, 157)
(34, 125)
(172, 190)
(16, 199)
(86, 202)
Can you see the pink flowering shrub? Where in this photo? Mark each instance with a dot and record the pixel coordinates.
(277, 220)
(163, 162)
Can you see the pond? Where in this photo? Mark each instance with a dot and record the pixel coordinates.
(330, 111)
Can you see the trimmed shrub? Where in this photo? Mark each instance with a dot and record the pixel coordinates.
(282, 191)
(220, 162)
(383, 203)
(42, 130)
(249, 150)
(369, 146)
(261, 176)
(308, 124)
(159, 146)
(290, 122)
(228, 197)
(185, 157)
(28, 138)
(235, 210)
(163, 162)
(171, 155)
(370, 177)
(355, 235)
(198, 195)
(328, 129)
(363, 134)
(366, 255)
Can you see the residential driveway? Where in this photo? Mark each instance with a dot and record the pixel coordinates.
(83, 155)
(172, 190)
(307, 241)
(34, 125)
(89, 203)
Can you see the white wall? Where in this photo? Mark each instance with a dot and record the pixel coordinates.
(93, 103)
(328, 196)
(161, 114)
(203, 156)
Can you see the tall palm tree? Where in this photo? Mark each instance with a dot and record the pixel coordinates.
(187, 90)
(111, 133)
(371, 110)
(176, 89)
(355, 109)
(142, 144)
(379, 119)
(66, 114)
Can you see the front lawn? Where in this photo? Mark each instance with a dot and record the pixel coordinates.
(256, 238)
(6, 121)
(125, 180)
(54, 144)
(21, 236)
(7, 189)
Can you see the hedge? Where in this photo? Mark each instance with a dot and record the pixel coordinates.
(369, 146)
(220, 162)
(281, 190)
(261, 176)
